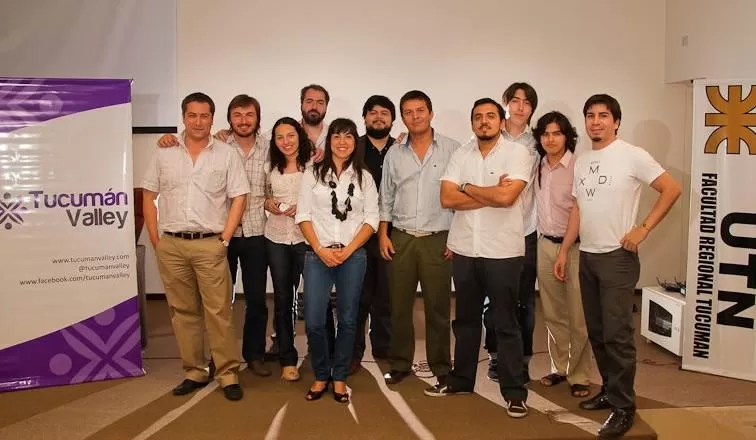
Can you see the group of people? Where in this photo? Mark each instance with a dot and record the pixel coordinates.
(371, 216)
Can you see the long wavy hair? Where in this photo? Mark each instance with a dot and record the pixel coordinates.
(277, 158)
(356, 159)
(569, 132)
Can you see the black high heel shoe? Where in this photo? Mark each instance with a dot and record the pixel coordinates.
(313, 395)
(341, 398)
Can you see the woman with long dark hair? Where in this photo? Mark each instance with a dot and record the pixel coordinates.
(290, 151)
(337, 213)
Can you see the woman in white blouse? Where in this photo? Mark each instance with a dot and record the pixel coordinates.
(290, 150)
(337, 213)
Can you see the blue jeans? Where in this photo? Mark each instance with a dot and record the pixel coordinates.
(286, 262)
(319, 279)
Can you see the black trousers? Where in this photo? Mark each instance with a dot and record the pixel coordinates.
(607, 284)
(250, 252)
(473, 278)
(374, 303)
(526, 302)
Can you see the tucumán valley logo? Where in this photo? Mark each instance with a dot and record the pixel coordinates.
(11, 211)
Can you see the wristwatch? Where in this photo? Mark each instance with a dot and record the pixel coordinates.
(461, 187)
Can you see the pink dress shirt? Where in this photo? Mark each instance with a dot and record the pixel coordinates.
(554, 195)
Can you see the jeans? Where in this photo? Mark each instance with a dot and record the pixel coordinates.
(250, 251)
(286, 265)
(319, 279)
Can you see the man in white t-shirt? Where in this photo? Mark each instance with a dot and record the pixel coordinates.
(486, 239)
(606, 189)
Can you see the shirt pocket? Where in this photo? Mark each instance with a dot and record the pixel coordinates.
(212, 181)
(169, 179)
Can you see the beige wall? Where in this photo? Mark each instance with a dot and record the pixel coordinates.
(455, 52)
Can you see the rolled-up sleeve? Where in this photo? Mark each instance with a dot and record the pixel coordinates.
(371, 201)
(151, 179)
(237, 183)
(304, 202)
(388, 189)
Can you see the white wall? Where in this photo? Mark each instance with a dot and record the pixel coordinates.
(456, 52)
(708, 39)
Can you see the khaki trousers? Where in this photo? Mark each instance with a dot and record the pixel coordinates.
(197, 284)
(563, 312)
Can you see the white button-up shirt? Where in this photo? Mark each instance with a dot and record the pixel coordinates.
(528, 194)
(285, 189)
(193, 196)
(314, 205)
(489, 232)
(253, 219)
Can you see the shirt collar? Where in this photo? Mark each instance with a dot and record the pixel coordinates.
(434, 141)
(564, 161)
(182, 140)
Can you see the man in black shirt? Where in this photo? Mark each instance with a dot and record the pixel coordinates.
(379, 113)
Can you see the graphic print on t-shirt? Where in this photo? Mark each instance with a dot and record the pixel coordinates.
(594, 180)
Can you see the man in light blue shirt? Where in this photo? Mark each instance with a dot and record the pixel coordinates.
(410, 209)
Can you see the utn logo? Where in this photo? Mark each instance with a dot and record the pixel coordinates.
(11, 211)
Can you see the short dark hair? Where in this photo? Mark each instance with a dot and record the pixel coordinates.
(609, 101)
(482, 101)
(277, 158)
(317, 87)
(530, 94)
(565, 126)
(197, 97)
(413, 95)
(379, 100)
(244, 101)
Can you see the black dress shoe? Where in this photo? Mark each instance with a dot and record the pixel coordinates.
(393, 377)
(599, 401)
(187, 386)
(233, 392)
(617, 424)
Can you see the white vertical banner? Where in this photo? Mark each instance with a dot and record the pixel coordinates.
(719, 335)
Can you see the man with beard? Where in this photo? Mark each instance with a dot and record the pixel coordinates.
(313, 100)
(486, 239)
(520, 100)
(248, 244)
(379, 114)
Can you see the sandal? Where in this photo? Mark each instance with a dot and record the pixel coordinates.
(579, 390)
(316, 394)
(339, 397)
(552, 379)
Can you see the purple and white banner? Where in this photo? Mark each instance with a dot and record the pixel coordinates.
(68, 292)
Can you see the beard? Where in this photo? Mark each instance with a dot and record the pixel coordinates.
(485, 137)
(378, 133)
(313, 117)
(596, 138)
(237, 133)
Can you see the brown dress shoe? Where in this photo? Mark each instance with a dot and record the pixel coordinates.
(258, 367)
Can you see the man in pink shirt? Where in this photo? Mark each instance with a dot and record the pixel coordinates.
(562, 304)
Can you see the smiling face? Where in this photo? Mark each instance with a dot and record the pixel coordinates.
(198, 120)
(378, 121)
(416, 116)
(342, 145)
(244, 121)
(287, 140)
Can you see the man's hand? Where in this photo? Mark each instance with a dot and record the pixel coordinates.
(448, 254)
(328, 256)
(154, 239)
(222, 135)
(401, 137)
(386, 247)
(504, 180)
(634, 238)
(560, 267)
(167, 141)
(318, 154)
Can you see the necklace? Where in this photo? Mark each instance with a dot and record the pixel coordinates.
(335, 202)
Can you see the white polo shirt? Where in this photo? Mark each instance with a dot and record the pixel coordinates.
(489, 232)
(193, 196)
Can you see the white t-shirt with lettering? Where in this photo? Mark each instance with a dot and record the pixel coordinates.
(607, 187)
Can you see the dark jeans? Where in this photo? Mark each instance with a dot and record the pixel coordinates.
(374, 302)
(607, 284)
(250, 251)
(473, 278)
(286, 265)
(319, 280)
(525, 305)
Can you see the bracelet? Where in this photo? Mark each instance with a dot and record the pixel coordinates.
(644, 226)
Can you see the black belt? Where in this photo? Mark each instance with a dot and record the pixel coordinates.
(330, 246)
(558, 240)
(192, 235)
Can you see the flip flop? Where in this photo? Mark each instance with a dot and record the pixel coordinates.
(579, 390)
(552, 379)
